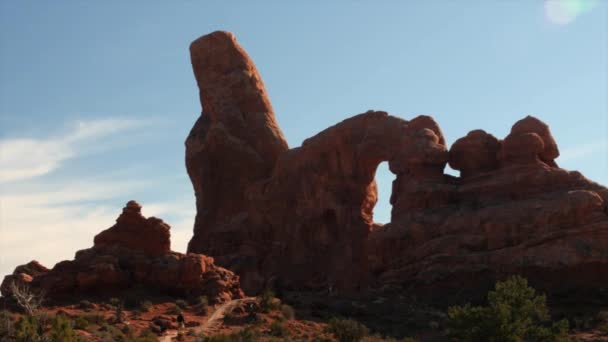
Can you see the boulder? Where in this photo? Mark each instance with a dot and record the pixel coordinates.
(475, 154)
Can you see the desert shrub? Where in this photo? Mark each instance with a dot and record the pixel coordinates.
(94, 318)
(278, 329)
(146, 336)
(6, 325)
(174, 310)
(181, 304)
(321, 339)
(28, 329)
(117, 304)
(145, 306)
(85, 305)
(288, 312)
(347, 330)
(216, 338)
(201, 305)
(246, 335)
(377, 338)
(108, 333)
(198, 300)
(81, 323)
(268, 301)
(61, 330)
(514, 313)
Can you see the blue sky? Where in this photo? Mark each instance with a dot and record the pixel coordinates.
(96, 98)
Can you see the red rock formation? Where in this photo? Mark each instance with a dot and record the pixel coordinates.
(475, 154)
(236, 140)
(23, 275)
(128, 229)
(134, 252)
(304, 217)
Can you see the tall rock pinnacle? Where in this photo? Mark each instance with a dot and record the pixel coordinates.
(236, 140)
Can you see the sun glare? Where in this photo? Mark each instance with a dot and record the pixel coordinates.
(562, 12)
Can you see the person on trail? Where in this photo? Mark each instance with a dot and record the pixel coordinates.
(180, 322)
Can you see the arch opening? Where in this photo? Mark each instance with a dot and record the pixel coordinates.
(384, 183)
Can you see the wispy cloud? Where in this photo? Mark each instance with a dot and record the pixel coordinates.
(50, 225)
(50, 221)
(28, 158)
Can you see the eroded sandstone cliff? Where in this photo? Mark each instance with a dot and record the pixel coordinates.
(302, 217)
(134, 253)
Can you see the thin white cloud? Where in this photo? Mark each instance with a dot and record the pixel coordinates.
(45, 224)
(28, 158)
(50, 221)
(599, 147)
(49, 225)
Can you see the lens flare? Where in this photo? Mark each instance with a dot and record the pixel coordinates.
(562, 12)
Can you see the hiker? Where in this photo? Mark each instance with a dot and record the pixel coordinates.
(180, 322)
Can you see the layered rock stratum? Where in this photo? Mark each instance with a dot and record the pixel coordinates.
(133, 254)
(302, 218)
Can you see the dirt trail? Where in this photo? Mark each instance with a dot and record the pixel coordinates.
(212, 322)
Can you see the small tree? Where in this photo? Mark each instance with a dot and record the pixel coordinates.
(347, 330)
(61, 330)
(118, 309)
(268, 301)
(514, 313)
(28, 329)
(29, 300)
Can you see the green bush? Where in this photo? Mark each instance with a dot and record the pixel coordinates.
(147, 336)
(81, 323)
(514, 313)
(86, 305)
(27, 329)
(111, 334)
(376, 338)
(278, 329)
(268, 301)
(201, 305)
(347, 330)
(198, 300)
(246, 335)
(117, 304)
(61, 330)
(174, 310)
(94, 318)
(6, 325)
(288, 312)
(145, 306)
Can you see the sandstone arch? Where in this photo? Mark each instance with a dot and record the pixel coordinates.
(302, 217)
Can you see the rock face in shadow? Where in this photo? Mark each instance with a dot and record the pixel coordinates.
(235, 142)
(303, 218)
(133, 253)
